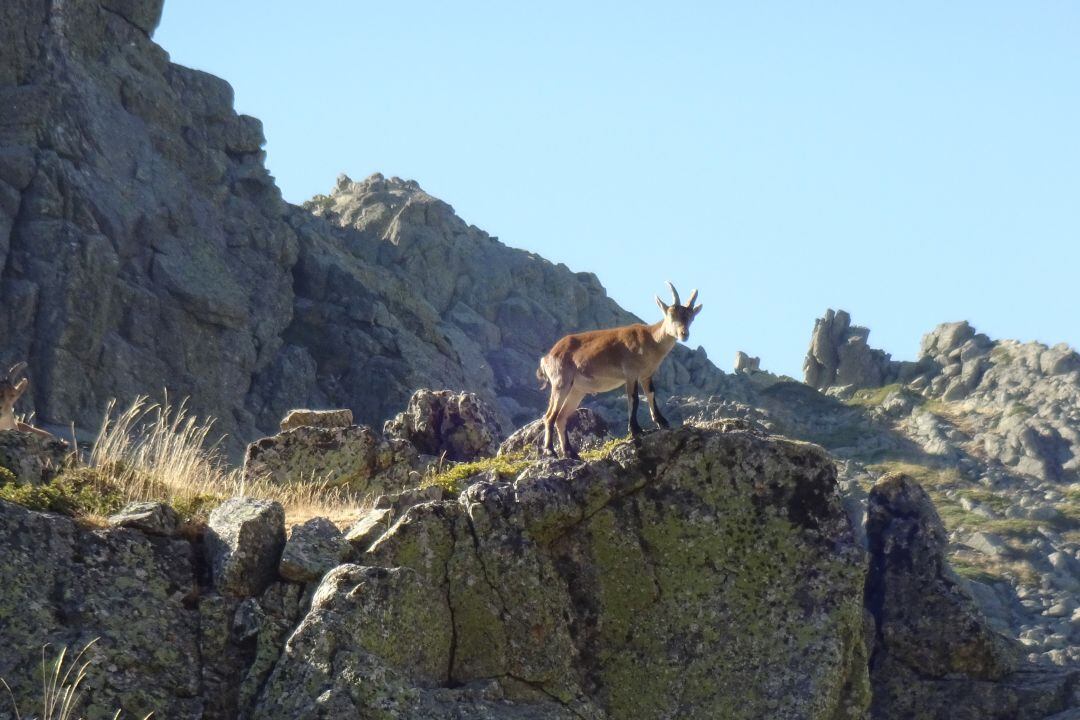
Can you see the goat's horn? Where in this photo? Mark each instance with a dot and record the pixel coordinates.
(15, 370)
(693, 297)
(674, 293)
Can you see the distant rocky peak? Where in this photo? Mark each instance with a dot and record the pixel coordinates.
(949, 337)
(388, 209)
(839, 355)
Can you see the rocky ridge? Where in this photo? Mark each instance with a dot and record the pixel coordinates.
(706, 571)
(991, 429)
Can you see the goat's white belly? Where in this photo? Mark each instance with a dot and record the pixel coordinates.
(598, 384)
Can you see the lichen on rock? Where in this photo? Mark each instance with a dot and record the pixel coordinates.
(704, 574)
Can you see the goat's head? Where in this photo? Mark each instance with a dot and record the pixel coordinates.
(677, 317)
(11, 389)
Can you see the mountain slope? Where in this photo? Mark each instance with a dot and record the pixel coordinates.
(144, 247)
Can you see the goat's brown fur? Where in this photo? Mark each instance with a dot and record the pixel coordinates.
(601, 360)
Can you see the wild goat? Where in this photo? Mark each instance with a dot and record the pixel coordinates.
(10, 392)
(591, 362)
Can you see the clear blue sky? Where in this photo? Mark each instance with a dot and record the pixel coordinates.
(913, 163)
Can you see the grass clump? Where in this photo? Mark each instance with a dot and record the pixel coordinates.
(605, 451)
(928, 476)
(979, 568)
(998, 502)
(161, 453)
(506, 467)
(60, 681)
(872, 397)
(453, 477)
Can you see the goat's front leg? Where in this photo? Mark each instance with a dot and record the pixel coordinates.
(631, 404)
(654, 411)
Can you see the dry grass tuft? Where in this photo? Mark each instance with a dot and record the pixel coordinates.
(160, 452)
(60, 686)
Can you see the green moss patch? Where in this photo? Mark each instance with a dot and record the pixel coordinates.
(75, 492)
(454, 477)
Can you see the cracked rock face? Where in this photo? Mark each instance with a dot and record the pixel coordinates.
(63, 586)
(708, 574)
(313, 548)
(244, 541)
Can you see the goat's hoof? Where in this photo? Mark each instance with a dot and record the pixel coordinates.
(663, 424)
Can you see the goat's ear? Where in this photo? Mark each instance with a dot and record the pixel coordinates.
(697, 310)
(660, 304)
(20, 387)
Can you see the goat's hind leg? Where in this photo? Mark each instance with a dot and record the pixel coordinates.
(561, 383)
(654, 411)
(568, 408)
(549, 421)
(632, 406)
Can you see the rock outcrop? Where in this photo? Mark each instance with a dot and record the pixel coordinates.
(355, 457)
(704, 575)
(746, 364)
(142, 244)
(63, 586)
(912, 593)
(244, 541)
(586, 429)
(993, 425)
(317, 418)
(31, 459)
(152, 518)
(1020, 402)
(459, 426)
(840, 356)
(314, 548)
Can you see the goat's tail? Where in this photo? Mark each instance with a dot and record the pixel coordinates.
(541, 375)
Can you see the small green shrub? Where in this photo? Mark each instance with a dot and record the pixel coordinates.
(75, 492)
(7, 477)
